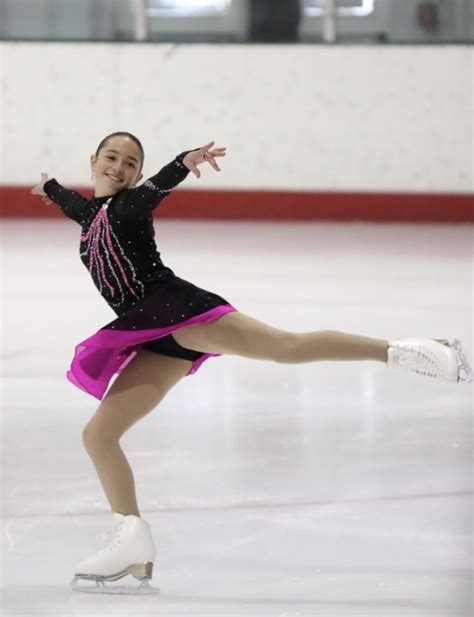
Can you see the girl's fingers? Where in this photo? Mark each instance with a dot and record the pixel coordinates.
(210, 159)
(38, 189)
(194, 169)
(205, 154)
(213, 151)
(218, 152)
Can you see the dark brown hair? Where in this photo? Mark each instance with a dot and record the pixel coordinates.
(123, 134)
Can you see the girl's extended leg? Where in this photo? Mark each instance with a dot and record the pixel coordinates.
(241, 335)
(135, 392)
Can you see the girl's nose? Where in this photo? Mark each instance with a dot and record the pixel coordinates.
(118, 167)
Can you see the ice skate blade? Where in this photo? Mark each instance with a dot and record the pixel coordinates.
(111, 587)
(465, 369)
(107, 584)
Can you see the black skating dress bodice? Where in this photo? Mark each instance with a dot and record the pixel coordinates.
(118, 238)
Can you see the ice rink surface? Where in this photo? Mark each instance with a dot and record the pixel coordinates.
(326, 489)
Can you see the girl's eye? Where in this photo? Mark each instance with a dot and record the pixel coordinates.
(132, 164)
(111, 158)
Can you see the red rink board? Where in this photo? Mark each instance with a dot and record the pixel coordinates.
(17, 202)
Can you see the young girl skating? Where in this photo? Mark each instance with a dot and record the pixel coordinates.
(165, 329)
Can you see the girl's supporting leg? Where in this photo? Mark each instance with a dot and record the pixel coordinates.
(135, 392)
(241, 335)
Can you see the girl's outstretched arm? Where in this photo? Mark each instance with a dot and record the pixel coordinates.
(71, 203)
(142, 200)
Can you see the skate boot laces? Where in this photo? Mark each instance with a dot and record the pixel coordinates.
(429, 357)
(417, 360)
(109, 536)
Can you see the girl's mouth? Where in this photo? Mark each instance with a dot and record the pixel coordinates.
(113, 178)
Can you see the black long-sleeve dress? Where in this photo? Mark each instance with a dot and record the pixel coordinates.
(118, 248)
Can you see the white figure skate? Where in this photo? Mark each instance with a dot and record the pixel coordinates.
(129, 550)
(436, 358)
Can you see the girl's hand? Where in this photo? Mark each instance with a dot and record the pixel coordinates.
(206, 154)
(38, 189)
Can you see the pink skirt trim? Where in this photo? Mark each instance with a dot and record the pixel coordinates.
(108, 351)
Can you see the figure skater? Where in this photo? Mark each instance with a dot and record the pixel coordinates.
(165, 329)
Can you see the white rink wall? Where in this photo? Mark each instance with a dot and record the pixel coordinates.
(302, 117)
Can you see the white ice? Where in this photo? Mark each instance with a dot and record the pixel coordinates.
(326, 489)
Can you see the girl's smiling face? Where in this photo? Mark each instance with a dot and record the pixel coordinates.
(117, 166)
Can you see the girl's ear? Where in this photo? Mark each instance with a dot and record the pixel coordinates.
(139, 178)
(93, 159)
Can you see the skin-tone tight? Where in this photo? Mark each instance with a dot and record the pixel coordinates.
(144, 383)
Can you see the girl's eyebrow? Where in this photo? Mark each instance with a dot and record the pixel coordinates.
(128, 157)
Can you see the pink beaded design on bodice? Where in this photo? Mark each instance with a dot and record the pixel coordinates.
(99, 252)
